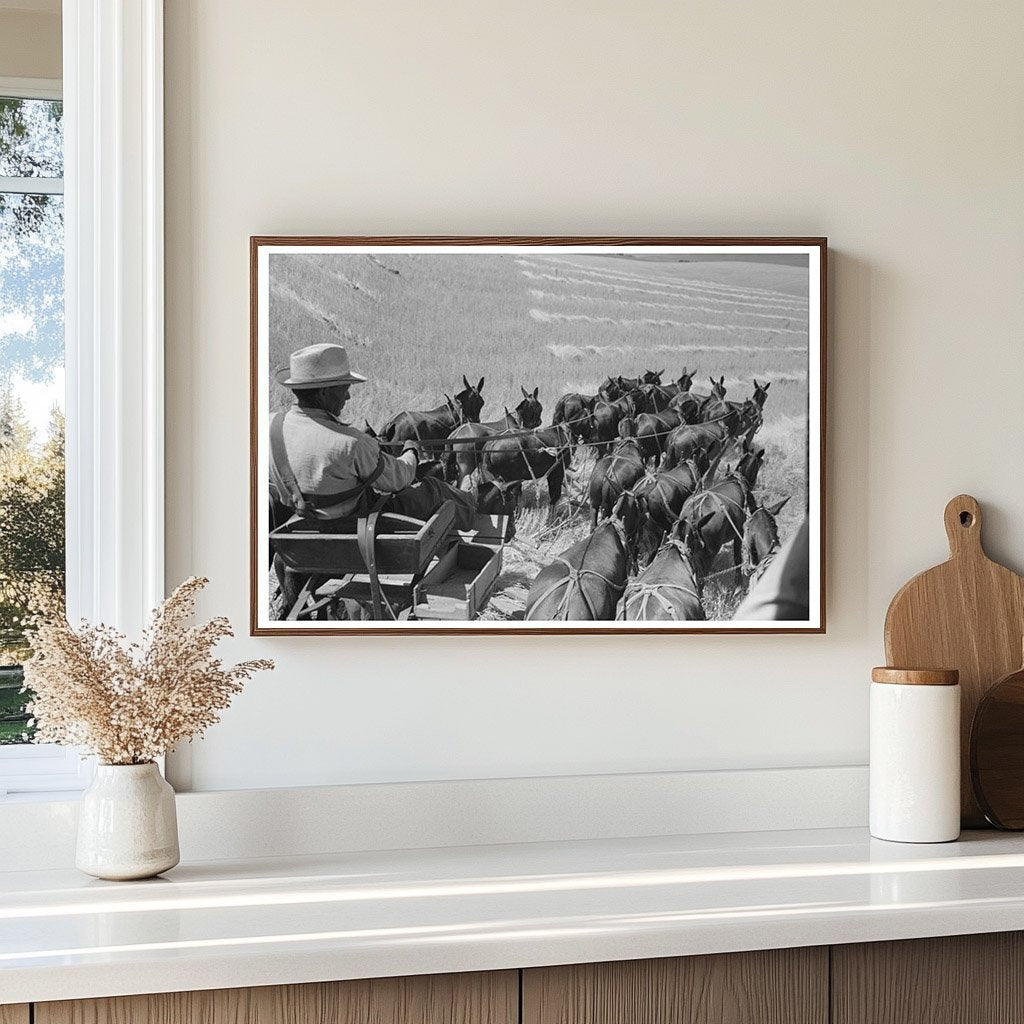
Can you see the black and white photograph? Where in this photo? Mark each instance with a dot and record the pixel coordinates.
(519, 435)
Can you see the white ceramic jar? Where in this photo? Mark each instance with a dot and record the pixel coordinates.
(127, 823)
(915, 755)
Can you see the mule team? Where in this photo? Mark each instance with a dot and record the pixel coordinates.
(663, 501)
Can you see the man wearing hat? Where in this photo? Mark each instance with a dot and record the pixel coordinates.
(324, 469)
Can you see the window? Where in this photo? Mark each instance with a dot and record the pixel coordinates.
(112, 208)
(32, 531)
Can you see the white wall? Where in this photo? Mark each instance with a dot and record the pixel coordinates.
(895, 129)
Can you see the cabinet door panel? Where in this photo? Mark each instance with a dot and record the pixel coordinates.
(779, 986)
(482, 998)
(14, 1014)
(960, 979)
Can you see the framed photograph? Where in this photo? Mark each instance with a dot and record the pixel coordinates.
(537, 435)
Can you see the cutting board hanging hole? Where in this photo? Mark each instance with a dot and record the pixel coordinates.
(963, 526)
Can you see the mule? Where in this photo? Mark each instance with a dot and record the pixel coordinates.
(677, 387)
(752, 411)
(544, 454)
(750, 419)
(662, 395)
(653, 429)
(437, 424)
(529, 411)
(585, 582)
(689, 405)
(745, 417)
(657, 396)
(761, 539)
(729, 500)
(577, 412)
(617, 387)
(688, 439)
(671, 488)
(463, 459)
(495, 498)
(615, 473)
(670, 589)
(525, 416)
(717, 410)
(607, 416)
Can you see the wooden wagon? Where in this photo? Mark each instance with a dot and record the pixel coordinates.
(391, 567)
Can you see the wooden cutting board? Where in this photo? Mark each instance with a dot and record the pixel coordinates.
(967, 614)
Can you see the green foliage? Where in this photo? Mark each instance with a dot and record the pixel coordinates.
(31, 525)
(14, 720)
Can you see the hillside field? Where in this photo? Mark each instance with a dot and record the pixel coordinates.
(416, 323)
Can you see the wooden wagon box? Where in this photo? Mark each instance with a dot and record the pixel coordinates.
(459, 584)
(403, 545)
(490, 530)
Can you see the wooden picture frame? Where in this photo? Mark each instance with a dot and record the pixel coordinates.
(428, 317)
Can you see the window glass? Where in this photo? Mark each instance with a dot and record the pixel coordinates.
(31, 388)
(31, 138)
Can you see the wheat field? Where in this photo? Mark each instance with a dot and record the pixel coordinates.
(414, 324)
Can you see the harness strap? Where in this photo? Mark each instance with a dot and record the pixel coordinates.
(300, 502)
(643, 591)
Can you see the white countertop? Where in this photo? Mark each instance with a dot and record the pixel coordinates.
(352, 915)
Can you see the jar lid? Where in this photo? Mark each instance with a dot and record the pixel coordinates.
(916, 676)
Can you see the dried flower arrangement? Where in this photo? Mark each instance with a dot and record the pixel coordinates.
(130, 703)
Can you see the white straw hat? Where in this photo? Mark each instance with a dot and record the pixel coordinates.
(318, 366)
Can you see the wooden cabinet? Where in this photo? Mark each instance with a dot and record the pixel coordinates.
(962, 979)
(491, 998)
(777, 986)
(969, 979)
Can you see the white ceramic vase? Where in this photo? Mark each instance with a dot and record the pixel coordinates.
(127, 825)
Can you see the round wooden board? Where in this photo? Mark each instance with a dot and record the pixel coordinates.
(997, 752)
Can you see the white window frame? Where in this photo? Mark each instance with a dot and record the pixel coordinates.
(114, 323)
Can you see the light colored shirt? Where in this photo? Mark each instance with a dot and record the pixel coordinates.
(327, 457)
